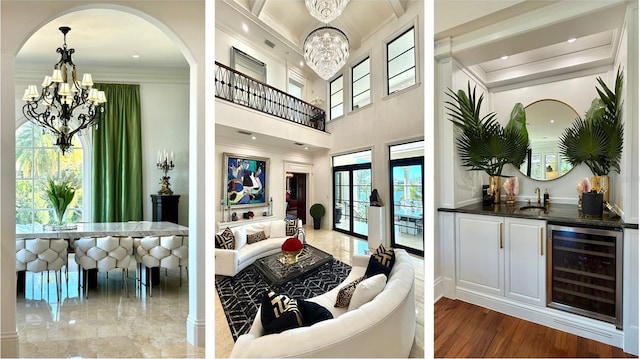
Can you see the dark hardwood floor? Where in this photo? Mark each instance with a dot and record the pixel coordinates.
(463, 330)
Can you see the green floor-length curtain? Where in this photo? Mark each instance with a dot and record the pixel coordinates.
(117, 157)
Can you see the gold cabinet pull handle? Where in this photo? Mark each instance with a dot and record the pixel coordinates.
(501, 245)
(541, 241)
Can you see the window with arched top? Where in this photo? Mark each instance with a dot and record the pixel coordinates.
(37, 160)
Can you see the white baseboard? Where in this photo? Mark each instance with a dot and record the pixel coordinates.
(196, 332)
(9, 345)
(552, 318)
(631, 336)
(438, 290)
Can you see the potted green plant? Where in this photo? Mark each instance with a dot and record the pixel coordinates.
(483, 143)
(597, 139)
(317, 211)
(60, 195)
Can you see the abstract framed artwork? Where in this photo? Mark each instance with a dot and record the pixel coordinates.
(246, 180)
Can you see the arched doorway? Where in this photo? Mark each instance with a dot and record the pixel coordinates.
(162, 17)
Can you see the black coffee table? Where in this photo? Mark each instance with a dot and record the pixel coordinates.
(277, 272)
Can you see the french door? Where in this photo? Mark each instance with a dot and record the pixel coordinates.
(351, 191)
(407, 186)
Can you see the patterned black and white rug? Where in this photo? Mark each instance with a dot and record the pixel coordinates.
(241, 295)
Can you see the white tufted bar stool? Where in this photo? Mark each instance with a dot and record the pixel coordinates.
(104, 254)
(168, 252)
(40, 255)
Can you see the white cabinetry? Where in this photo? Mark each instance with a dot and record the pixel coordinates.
(501, 256)
(525, 264)
(479, 253)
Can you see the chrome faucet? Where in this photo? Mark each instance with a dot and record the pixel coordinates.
(537, 190)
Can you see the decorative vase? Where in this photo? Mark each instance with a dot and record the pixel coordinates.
(494, 188)
(600, 184)
(592, 203)
(291, 256)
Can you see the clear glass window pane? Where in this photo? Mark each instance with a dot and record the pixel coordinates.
(401, 62)
(406, 150)
(361, 85)
(336, 99)
(362, 100)
(37, 159)
(401, 44)
(352, 158)
(337, 112)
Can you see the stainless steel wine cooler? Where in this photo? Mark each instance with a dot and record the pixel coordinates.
(584, 272)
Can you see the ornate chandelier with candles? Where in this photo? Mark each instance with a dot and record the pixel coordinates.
(325, 10)
(326, 50)
(66, 105)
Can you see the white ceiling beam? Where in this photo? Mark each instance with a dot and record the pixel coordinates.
(257, 7)
(397, 7)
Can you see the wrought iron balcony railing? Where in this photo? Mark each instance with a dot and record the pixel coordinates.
(241, 89)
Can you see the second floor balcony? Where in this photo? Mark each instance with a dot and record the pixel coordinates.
(240, 89)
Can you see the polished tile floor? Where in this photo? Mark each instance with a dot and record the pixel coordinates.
(342, 247)
(108, 323)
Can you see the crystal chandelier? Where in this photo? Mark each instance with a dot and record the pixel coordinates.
(325, 10)
(326, 50)
(66, 105)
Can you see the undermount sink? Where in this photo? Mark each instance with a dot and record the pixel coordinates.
(533, 208)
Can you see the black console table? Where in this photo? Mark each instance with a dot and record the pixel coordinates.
(165, 207)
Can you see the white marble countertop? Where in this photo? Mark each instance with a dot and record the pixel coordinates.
(133, 229)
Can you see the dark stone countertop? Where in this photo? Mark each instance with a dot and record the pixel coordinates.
(566, 214)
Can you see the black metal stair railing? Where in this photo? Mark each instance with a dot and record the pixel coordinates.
(238, 88)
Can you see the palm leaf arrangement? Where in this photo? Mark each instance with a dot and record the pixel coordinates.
(597, 139)
(60, 195)
(483, 144)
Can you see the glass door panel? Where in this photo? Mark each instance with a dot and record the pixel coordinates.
(360, 206)
(342, 195)
(407, 206)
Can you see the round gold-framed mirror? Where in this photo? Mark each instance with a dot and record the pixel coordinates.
(546, 121)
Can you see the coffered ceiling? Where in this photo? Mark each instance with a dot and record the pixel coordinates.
(531, 35)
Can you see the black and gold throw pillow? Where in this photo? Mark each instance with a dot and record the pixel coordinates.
(381, 261)
(226, 239)
(312, 313)
(256, 237)
(291, 226)
(279, 313)
(345, 293)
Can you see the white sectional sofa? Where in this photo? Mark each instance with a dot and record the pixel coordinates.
(384, 327)
(231, 261)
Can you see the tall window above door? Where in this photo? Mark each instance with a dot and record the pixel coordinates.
(401, 61)
(336, 100)
(361, 84)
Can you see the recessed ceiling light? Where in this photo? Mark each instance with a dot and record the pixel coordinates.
(552, 121)
(301, 64)
(573, 39)
(135, 56)
(253, 137)
(306, 148)
(245, 27)
(504, 57)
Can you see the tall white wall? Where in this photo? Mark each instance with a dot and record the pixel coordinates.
(389, 119)
(165, 125)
